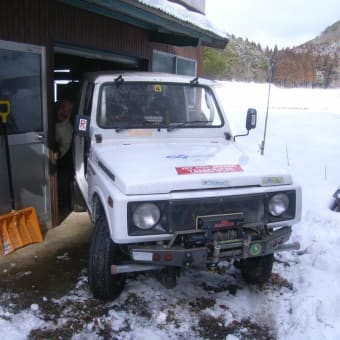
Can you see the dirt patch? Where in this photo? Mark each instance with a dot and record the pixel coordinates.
(136, 305)
(49, 277)
(201, 303)
(215, 328)
(76, 314)
(277, 281)
(56, 291)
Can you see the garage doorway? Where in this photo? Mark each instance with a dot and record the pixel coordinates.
(70, 63)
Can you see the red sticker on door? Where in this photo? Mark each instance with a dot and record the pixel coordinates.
(208, 169)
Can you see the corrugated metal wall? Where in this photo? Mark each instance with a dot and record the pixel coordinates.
(80, 27)
(25, 21)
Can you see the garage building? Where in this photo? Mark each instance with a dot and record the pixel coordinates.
(46, 46)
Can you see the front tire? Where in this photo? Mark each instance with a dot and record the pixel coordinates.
(104, 253)
(257, 269)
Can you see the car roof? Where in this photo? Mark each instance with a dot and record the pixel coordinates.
(106, 76)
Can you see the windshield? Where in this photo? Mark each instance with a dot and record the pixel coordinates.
(140, 105)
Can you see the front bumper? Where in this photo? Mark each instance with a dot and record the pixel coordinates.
(179, 256)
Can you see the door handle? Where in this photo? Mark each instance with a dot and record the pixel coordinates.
(40, 136)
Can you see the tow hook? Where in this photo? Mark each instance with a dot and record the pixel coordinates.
(212, 266)
(216, 254)
(188, 260)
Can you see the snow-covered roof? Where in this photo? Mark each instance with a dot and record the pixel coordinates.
(183, 14)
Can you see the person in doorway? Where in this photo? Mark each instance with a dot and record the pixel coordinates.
(64, 129)
(64, 134)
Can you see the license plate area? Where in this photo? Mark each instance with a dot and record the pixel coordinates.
(219, 222)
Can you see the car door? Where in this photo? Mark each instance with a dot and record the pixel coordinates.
(22, 83)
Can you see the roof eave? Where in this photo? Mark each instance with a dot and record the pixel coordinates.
(162, 27)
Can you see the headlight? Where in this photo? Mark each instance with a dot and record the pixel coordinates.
(278, 204)
(146, 216)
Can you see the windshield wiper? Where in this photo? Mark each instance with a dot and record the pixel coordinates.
(120, 129)
(135, 126)
(173, 126)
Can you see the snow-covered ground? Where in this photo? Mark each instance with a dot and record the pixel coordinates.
(303, 133)
(302, 300)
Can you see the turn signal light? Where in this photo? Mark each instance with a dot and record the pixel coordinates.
(156, 257)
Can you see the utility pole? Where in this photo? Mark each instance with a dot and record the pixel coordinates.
(272, 63)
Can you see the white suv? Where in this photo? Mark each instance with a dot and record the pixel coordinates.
(168, 187)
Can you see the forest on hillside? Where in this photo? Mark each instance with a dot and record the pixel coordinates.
(313, 64)
(302, 69)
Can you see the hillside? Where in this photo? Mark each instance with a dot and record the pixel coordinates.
(330, 35)
(326, 46)
(315, 63)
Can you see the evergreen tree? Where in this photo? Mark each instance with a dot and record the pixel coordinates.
(214, 64)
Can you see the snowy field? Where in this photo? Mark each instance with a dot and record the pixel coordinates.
(302, 299)
(303, 134)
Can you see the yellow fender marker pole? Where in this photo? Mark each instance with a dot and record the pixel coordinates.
(4, 114)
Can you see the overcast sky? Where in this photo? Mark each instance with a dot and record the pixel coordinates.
(286, 23)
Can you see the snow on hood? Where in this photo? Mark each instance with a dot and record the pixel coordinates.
(167, 167)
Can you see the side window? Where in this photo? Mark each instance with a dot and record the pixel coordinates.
(202, 106)
(186, 66)
(171, 63)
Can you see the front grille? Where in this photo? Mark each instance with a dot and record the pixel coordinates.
(184, 213)
(217, 213)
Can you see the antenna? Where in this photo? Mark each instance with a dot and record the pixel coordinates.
(272, 63)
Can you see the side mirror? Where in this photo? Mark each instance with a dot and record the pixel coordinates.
(251, 119)
(82, 126)
(250, 122)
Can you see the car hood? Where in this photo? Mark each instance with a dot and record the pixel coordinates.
(160, 168)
